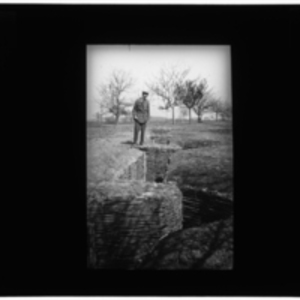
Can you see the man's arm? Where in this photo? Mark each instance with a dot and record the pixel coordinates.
(134, 110)
(148, 112)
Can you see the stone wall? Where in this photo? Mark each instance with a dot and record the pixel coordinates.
(106, 160)
(126, 220)
(158, 157)
(202, 206)
(134, 170)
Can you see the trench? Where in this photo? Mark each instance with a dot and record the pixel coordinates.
(199, 206)
(139, 222)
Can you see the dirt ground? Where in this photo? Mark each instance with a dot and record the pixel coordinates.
(206, 158)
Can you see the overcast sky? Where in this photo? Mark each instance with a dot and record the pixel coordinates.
(144, 63)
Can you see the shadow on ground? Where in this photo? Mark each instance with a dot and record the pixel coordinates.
(127, 143)
(206, 247)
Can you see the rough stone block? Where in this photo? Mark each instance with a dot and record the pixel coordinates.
(157, 160)
(126, 220)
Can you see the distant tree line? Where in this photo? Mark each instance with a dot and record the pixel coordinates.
(171, 86)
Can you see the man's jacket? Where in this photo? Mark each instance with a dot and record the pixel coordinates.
(141, 110)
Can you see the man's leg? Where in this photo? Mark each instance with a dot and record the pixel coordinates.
(136, 131)
(143, 128)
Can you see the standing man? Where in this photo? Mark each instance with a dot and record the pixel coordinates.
(140, 114)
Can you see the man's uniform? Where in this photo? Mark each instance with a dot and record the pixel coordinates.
(140, 114)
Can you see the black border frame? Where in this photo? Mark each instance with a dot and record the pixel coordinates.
(45, 254)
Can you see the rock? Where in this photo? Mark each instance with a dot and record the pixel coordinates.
(206, 247)
(126, 219)
(157, 160)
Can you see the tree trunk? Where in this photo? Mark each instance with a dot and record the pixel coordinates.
(101, 114)
(189, 115)
(199, 118)
(117, 116)
(173, 115)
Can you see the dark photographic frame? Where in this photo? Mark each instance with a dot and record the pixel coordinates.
(53, 39)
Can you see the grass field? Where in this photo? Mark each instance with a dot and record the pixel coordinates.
(205, 162)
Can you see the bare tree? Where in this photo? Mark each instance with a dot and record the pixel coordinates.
(183, 112)
(102, 109)
(165, 85)
(221, 108)
(216, 106)
(112, 93)
(98, 117)
(226, 112)
(189, 93)
(203, 98)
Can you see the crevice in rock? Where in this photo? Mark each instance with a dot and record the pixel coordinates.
(200, 207)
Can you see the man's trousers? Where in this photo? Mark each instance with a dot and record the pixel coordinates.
(137, 128)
